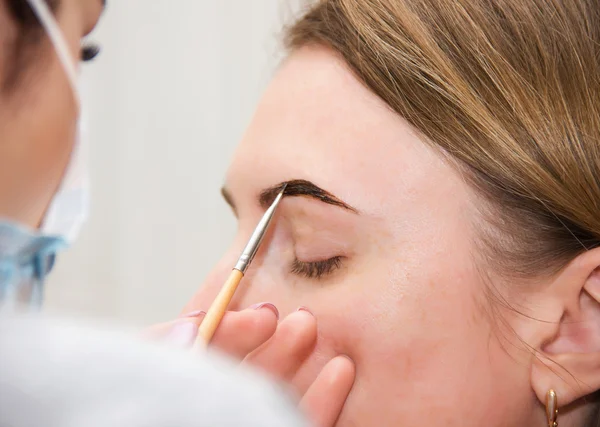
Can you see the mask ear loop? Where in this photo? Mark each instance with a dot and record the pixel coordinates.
(47, 20)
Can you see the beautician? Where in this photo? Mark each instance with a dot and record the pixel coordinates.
(56, 373)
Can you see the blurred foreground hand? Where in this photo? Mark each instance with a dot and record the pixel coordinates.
(59, 374)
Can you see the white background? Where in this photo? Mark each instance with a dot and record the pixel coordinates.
(166, 103)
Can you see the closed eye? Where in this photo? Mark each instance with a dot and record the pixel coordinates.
(316, 269)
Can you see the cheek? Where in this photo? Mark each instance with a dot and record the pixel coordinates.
(42, 121)
(424, 350)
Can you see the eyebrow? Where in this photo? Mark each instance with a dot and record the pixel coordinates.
(229, 199)
(293, 188)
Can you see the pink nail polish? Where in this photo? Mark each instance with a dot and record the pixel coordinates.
(266, 305)
(302, 308)
(182, 334)
(196, 313)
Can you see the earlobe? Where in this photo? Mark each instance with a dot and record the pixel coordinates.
(569, 362)
(571, 375)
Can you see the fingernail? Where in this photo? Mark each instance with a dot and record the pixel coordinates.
(266, 305)
(196, 313)
(302, 308)
(182, 334)
(347, 357)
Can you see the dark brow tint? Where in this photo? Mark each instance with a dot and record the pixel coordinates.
(301, 187)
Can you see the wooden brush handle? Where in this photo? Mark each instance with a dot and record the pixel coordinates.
(217, 309)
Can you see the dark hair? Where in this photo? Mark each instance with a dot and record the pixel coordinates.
(29, 33)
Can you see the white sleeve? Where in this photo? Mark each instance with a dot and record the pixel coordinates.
(57, 374)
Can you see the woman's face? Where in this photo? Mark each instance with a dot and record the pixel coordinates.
(38, 111)
(401, 294)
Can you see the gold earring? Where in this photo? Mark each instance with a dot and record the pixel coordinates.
(552, 408)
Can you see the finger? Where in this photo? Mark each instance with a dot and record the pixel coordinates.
(241, 332)
(286, 350)
(161, 330)
(237, 335)
(325, 398)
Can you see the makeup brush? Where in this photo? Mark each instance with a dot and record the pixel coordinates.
(215, 313)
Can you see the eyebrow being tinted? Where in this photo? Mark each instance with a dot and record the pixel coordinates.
(294, 188)
(301, 187)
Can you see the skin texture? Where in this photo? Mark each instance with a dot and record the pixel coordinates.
(404, 321)
(407, 304)
(38, 116)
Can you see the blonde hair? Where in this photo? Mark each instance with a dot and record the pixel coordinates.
(509, 89)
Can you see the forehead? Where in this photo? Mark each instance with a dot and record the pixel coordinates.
(316, 121)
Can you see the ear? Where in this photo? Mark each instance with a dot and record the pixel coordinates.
(569, 359)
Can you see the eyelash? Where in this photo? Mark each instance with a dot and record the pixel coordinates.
(89, 51)
(316, 269)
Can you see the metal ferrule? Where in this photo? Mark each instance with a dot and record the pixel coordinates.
(257, 236)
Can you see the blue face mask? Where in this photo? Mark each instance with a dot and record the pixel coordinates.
(26, 258)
